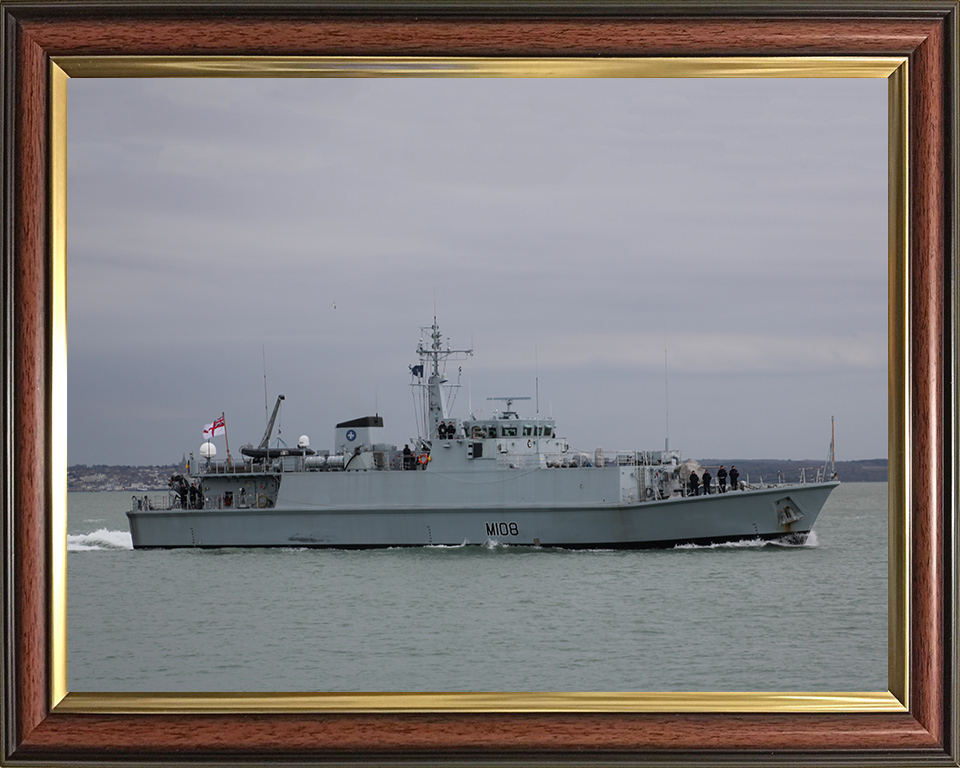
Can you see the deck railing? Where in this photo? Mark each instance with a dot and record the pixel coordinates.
(229, 467)
(167, 501)
(599, 457)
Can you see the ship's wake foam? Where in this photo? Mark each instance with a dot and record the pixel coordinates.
(99, 540)
(789, 540)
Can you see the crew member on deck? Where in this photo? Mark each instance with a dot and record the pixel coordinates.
(706, 482)
(694, 484)
(722, 479)
(734, 476)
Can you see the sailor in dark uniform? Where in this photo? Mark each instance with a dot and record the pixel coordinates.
(734, 476)
(694, 484)
(706, 482)
(722, 479)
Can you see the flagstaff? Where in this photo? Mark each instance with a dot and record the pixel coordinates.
(223, 419)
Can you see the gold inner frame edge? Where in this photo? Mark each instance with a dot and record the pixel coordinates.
(892, 68)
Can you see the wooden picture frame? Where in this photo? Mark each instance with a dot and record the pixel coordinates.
(917, 722)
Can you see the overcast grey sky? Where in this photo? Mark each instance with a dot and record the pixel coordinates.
(567, 229)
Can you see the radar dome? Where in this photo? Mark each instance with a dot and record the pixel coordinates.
(303, 442)
(208, 450)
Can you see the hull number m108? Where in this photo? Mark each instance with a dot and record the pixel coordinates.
(503, 529)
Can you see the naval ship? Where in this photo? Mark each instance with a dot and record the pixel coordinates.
(506, 479)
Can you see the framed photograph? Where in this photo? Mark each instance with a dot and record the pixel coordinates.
(46, 45)
(319, 251)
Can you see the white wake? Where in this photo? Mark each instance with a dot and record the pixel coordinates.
(99, 540)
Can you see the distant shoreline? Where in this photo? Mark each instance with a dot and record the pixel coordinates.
(121, 477)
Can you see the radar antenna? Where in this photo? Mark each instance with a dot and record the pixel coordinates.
(509, 400)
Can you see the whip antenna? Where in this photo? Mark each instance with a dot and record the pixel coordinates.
(536, 371)
(266, 411)
(666, 385)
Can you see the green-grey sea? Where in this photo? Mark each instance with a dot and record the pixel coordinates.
(738, 617)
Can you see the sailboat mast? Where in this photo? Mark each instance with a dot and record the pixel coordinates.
(833, 450)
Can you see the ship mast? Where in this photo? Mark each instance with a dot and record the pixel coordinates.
(431, 358)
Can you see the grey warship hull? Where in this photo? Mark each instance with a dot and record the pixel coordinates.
(765, 513)
(503, 479)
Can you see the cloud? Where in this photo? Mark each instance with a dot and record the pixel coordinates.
(706, 352)
(561, 224)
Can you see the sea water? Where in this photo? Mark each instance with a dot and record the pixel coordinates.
(738, 617)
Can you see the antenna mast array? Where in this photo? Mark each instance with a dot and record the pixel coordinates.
(431, 357)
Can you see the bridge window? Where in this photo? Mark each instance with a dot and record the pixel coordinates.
(527, 430)
(509, 431)
(547, 431)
